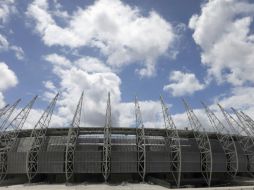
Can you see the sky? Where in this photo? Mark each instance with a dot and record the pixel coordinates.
(197, 50)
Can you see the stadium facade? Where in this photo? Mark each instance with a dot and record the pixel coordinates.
(79, 154)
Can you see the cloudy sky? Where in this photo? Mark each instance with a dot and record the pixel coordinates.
(199, 50)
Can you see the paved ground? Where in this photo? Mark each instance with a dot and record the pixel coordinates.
(110, 187)
(85, 187)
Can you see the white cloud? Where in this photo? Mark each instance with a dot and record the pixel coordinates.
(33, 118)
(92, 65)
(75, 79)
(239, 98)
(96, 83)
(148, 38)
(6, 46)
(19, 53)
(57, 59)
(223, 31)
(8, 79)
(49, 85)
(150, 110)
(6, 8)
(2, 102)
(183, 84)
(91, 75)
(182, 122)
(51, 90)
(119, 31)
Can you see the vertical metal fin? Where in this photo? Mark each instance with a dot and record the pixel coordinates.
(203, 142)
(72, 140)
(7, 114)
(8, 138)
(173, 141)
(246, 141)
(106, 164)
(226, 140)
(38, 135)
(141, 141)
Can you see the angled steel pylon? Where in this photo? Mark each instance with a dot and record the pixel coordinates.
(8, 138)
(106, 163)
(226, 140)
(7, 114)
(72, 140)
(38, 135)
(249, 120)
(244, 121)
(232, 123)
(174, 144)
(141, 141)
(247, 126)
(244, 137)
(203, 142)
(3, 110)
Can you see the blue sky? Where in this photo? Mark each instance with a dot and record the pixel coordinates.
(199, 50)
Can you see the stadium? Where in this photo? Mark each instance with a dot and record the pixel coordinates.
(107, 154)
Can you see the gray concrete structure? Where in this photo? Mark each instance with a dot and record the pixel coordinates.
(124, 160)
